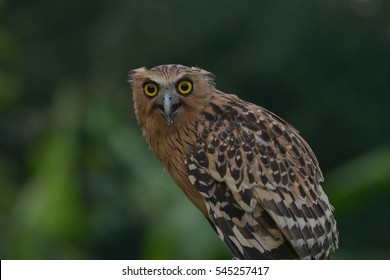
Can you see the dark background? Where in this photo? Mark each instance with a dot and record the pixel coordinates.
(77, 180)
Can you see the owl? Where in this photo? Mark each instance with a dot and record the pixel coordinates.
(247, 170)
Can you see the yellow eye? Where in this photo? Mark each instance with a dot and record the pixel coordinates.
(184, 87)
(150, 89)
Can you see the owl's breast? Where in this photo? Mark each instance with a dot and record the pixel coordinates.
(172, 149)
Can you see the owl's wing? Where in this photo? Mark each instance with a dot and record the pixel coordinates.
(250, 240)
(247, 234)
(261, 184)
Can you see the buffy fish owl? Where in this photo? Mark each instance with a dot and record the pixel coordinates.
(248, 171)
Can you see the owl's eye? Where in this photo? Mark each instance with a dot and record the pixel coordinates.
(150, 89)
(184, 87)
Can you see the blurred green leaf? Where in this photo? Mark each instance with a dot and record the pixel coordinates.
(50, 208)
(355, 181)
(360, 192)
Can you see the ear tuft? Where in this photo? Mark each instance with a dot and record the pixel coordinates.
(134, 73)
(208, 75)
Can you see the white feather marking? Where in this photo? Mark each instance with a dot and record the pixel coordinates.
(192, 179)
(270, 186)
(266, 242)
(241, 238)
(310, 243)
(203, 183)
(312, 222)
(297, 243)
(245, 206)
(192, 166)
(216, 175)
(290, 222)
(238, 245)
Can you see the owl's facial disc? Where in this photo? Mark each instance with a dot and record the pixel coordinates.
(169, 105)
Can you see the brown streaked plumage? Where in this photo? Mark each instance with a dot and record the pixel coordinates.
(248, 171)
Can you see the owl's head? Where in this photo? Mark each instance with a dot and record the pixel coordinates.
(168, 95)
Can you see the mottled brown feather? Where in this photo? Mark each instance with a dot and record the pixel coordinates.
(249, 172)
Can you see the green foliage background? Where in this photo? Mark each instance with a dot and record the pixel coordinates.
(76, 178)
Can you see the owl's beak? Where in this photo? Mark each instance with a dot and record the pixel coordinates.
(169, 105)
